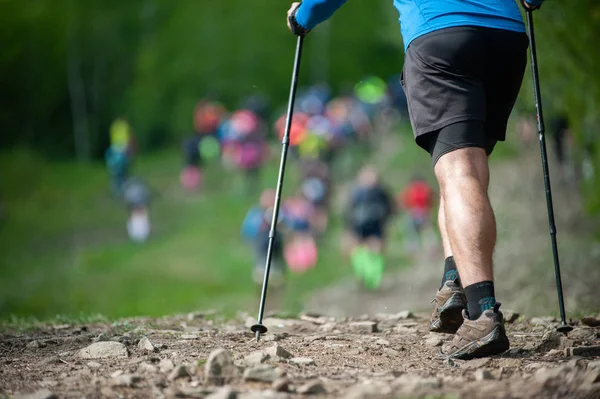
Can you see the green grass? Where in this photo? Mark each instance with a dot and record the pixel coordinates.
(65, 249)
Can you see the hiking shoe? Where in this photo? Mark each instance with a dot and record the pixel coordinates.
(478, 338)
(450, 301)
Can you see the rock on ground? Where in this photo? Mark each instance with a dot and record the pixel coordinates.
(104, 350)
(219, 368)
(262, 372)
(344, 362)
(41, 394)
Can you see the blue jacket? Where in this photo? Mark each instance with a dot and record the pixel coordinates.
(418, 17)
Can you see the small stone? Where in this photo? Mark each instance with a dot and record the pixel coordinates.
(302, 361)
(585, 351)
(547, 375)
(363, 327)
(328, 327)
(146, 346)
(188, 392)
(311, 388)
(277, 353)
(550, 340)
(274, 337)
(125, 380)
(382, 342)
(117, 373)
(261, 372)
(554, 353)
(41, 394)
(147, 368)
(256, 358)
(405, 314)
(178, 372)
(477, 363)
(47, 361)
(533, 366)
(48, 383)
(219, 367)
(368, 391)
(411, 383)
(223, 393)
(566, 343)
(35, 344)
(166, 365)
(591, 321)
(506, 363)
(263, 394)
(510, 316)
(94, 365)
(581, 335)
(592, 376)
(593, 365)
(577, 363)
(434, 340)
(104, 350)
(541, 321)
(281, 385)
(483, 374)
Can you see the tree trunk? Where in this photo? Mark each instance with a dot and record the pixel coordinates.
(81, 135)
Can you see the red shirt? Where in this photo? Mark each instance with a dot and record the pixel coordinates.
(417, 197)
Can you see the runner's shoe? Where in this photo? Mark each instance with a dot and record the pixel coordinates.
(449, 301)
(478, 338)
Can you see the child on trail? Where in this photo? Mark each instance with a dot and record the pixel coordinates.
(369, 211)
(255, 229)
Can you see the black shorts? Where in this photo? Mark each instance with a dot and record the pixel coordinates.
(368, 230)
(463, 74)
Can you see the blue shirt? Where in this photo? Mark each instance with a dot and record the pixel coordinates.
(418, 17)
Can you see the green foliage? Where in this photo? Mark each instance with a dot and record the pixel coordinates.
(566, 34)
(151, 61)
(69, 68)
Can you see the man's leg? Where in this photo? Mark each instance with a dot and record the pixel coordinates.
(470, 224)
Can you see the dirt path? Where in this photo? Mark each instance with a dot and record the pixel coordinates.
(523, 259)
(384, 356)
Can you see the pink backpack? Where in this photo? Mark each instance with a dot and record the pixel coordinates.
(301, 255)
(190, 178)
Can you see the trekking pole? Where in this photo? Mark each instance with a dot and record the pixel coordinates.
(259, 328)
(564, 327)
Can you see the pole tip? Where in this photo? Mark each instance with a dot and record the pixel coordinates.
(564, 328)
(258, 329)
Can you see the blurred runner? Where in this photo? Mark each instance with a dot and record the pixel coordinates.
(119, 155)
(316, 188)
(300, 250)
(137, 197)
(255, 229)
(369, 211)
(417, 201)
(191, 174)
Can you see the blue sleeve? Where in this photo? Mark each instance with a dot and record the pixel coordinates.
(313, 12)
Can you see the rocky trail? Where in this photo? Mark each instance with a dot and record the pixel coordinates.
(377, 356)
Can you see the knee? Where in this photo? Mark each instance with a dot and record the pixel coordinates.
(465, 165)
